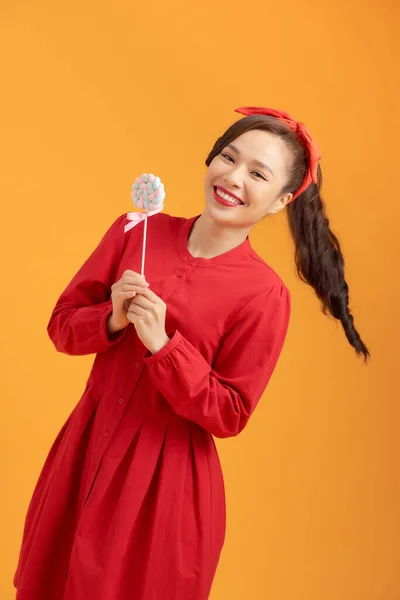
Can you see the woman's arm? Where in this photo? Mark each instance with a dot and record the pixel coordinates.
(78, 324)
(221, 399)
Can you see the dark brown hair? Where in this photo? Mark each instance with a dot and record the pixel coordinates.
(318, 255)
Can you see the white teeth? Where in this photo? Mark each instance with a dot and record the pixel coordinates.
(227, 197)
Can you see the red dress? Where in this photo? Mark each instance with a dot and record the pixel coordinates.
(130, 502)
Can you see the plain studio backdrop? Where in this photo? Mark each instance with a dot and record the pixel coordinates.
(95, 93)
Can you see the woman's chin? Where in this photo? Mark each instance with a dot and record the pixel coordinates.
(219, 213)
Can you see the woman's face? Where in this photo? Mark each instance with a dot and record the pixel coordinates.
(243, 184)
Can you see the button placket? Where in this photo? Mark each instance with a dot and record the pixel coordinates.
(184, 271)
(178, 277)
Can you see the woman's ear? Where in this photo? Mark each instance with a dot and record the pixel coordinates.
(280, 204)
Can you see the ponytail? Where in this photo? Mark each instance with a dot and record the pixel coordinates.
(319, 259)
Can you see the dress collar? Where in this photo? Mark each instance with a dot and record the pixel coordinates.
(222, 259)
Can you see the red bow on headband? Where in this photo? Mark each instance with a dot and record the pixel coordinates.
(313, 152)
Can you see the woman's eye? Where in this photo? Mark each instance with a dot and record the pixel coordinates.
(259, 175)
(256, 173)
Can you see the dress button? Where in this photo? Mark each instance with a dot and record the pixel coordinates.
(137, 365)
(190, 259)
(106, 434)
(121, 400)
(179, 273)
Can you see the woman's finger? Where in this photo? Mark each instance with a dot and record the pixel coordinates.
(127, 287)
(136, 277)
(128, 281)
(141, 300)
(137, 310)
(132, 290)
(150, 295)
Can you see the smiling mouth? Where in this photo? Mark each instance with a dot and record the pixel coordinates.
(232, 200)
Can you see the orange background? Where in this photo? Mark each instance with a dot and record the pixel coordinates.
(95, 93)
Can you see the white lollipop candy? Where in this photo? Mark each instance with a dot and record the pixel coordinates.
(148, 194)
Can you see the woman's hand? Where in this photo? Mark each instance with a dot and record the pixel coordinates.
(122, 292)
(147, 313)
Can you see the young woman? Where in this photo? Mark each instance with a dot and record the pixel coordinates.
(130, 502)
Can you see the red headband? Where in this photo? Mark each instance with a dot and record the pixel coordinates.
(313, 153)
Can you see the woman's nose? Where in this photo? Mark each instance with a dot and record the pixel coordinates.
(234, 178)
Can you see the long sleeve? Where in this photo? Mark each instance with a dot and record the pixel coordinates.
(78, 324)
(222, 397)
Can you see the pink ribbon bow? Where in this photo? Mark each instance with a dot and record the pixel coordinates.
(136, 217)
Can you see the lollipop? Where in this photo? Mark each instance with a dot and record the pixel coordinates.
(147, 194)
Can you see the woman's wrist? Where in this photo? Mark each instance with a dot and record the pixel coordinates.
(113, 326)
(157, 345)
